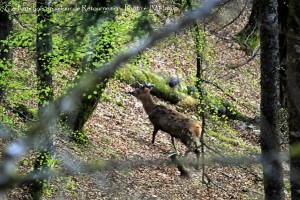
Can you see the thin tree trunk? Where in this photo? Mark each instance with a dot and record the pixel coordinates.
(76, 119)
(282, 20)
(199, 39)
(250, 31)
(269, 139)
(45, 92)
(44, 56)
(199, 84)
(88, 103)
(293, 78)
(252, 25)
(5, 50)
(44, 51)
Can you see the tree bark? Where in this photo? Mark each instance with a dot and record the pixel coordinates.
(293, 78)
(250, 31)
(252, 25)
(44, 51)
(282, 20)
(76, 119)
(200, 39)
(87, 104)
(269, 139)
(5, 50)
(45, 93)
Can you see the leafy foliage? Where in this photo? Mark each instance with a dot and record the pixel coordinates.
(74, 43)
(249, 43)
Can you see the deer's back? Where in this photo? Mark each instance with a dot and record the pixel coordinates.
(174, 123)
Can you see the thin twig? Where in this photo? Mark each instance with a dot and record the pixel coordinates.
(257, 51)
(234, 19)
(244, 168)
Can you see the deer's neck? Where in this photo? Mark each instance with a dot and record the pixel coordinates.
(148, 103)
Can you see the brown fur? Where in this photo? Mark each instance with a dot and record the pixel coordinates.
(188, 131)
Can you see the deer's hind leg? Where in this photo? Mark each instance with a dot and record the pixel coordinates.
(154, 134)
(197, 152)
(180, 166)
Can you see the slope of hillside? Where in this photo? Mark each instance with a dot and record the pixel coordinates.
(120, 131)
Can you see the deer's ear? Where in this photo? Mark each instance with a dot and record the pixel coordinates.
(150, 88)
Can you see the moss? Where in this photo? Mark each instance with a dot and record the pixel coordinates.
(79, 137)
(188, 102)
(228, 142)
(106, 139)
(287, 186)
(295, 150)
(248, 43)
(138, 75)
(111, 152)
(98, 165)
(126, 171)
(253, 149)
(34, 112)
(125, 74)
(232, 141)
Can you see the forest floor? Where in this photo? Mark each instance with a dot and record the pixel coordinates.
(120, 130)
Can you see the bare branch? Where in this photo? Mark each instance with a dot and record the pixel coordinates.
(234, 19)
(246, 61)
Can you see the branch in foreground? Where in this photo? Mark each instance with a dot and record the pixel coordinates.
(75, 167)
(67, 103)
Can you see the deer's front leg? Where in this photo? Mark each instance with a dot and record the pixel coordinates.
(174, 144)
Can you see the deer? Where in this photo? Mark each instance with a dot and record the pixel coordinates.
(178, 126)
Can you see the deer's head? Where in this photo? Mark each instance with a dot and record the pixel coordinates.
(142, 90)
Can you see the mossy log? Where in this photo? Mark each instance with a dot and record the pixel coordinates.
(162, 89)
(178, 95)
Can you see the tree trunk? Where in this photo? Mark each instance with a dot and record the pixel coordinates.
(44, 51)
(250, 31)
(85, 108)
(5, 50)
(87, 104)
(293, 78)
(269, 139)
(199, 40)
(45, 90)
(252, 25)
(282, 20)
